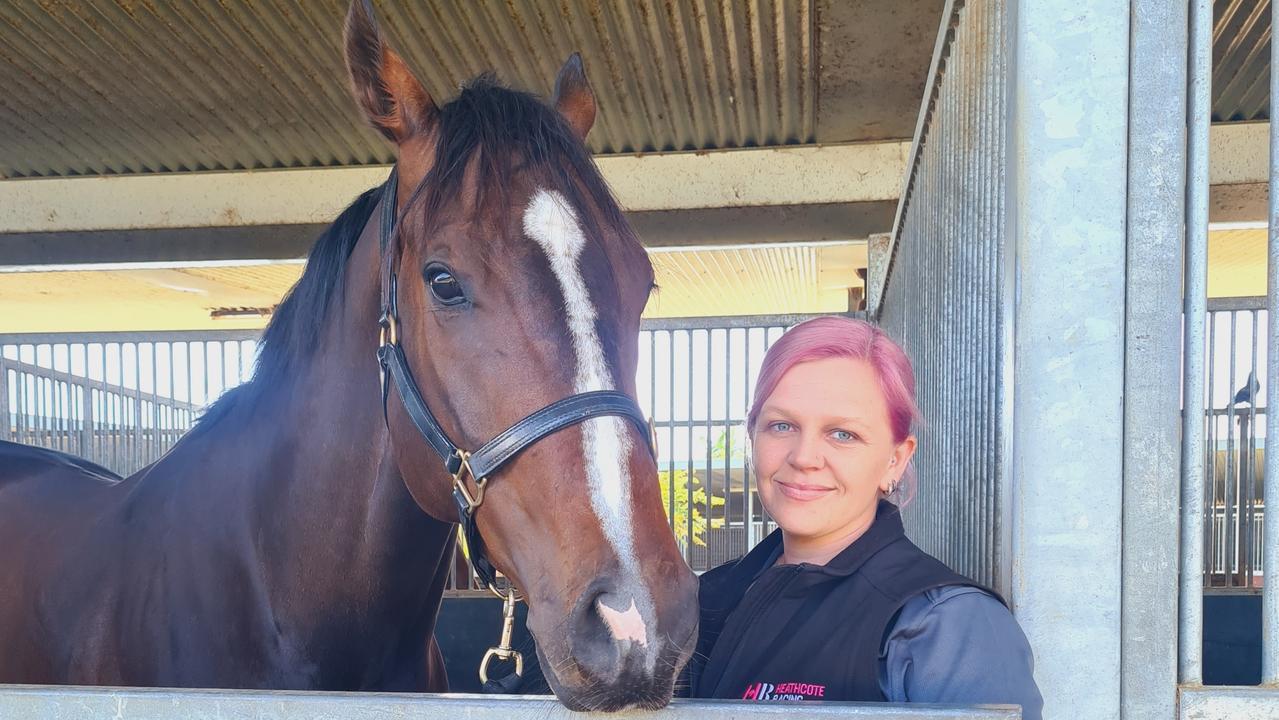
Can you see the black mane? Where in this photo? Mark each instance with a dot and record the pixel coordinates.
(295, 325)
(487, 126)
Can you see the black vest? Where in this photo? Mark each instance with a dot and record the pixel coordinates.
(808, 632)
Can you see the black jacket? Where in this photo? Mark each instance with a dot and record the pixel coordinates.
(807, 632)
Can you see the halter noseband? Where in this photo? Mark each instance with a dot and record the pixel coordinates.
(479, 465)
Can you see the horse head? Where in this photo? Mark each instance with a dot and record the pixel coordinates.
(513, 284)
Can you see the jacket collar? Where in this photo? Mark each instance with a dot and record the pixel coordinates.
(883, 531)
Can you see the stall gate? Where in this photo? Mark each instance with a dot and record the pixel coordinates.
(1234, 446)
(1057, 186)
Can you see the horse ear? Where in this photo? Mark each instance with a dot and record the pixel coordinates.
(392, 98)
(573, 96)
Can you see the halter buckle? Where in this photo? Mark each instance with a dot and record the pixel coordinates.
(459, 482)
(389, 331)
(504, 651)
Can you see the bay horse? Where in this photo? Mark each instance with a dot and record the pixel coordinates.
(300, 535)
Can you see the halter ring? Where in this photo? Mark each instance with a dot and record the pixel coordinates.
(459, 482)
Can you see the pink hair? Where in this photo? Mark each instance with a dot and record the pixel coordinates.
(838, 337)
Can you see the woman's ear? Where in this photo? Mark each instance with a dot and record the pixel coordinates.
(897, 464)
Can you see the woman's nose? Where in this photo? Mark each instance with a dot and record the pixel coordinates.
(806, 453)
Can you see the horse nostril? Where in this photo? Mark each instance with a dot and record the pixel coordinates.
(590, 641)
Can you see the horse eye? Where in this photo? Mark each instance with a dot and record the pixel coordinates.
(444, 286)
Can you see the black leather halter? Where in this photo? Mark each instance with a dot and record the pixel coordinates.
(480, 464)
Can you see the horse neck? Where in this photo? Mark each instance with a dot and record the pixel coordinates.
(307, 481)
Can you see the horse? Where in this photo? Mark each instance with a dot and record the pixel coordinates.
(488, 297)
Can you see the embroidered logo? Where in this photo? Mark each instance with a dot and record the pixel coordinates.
(782, 692)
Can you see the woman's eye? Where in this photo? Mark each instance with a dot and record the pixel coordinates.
(444, 286)
(843, 436)
(780, 427)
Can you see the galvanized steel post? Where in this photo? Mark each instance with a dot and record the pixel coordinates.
(1194, 312)
(6, 426)
(1270, 551)
(1152, 361)
(1067, 171)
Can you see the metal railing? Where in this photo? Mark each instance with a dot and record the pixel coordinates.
(118, 399)
(64, 703)
(111, 424)
(1234, 435)
(947, 297)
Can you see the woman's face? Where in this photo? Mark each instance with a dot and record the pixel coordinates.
(823, 449)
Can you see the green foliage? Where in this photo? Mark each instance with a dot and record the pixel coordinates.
(691, 496)
(695, 502)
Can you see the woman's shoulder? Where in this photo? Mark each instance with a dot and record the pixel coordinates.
(958, 601)
(958, 643)
(904, 574)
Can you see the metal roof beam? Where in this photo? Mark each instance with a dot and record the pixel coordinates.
(176, 247)
(813, 174)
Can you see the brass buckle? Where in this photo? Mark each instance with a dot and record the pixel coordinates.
(504, 651)
(459, 482)
(388, 330)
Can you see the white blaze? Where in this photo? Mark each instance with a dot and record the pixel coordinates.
(552, 223)
(626, 625)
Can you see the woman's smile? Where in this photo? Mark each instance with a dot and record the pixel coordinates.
(801, 491)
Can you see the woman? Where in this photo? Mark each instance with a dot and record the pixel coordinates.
(838, 604)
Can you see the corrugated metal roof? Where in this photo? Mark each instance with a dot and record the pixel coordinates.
(1241, 60)
(122, 86)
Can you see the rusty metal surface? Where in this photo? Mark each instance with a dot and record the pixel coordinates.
(873, 57)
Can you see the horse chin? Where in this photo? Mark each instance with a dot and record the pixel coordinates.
(585, 694)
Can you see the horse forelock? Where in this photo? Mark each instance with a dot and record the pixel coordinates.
(491, 139)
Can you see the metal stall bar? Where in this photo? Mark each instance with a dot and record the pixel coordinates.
(1067, 210)
(1270, 522)
(1152, 363)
